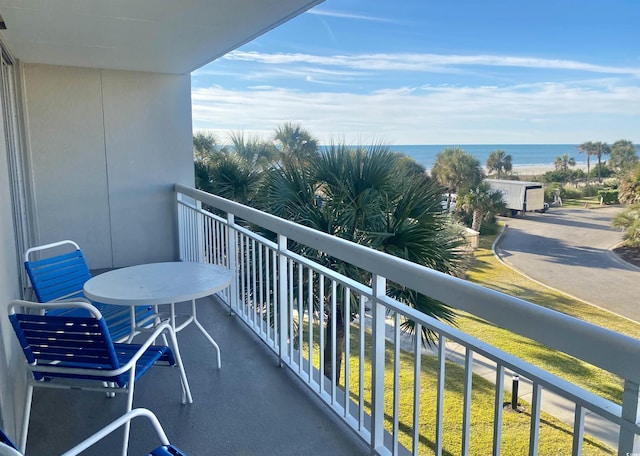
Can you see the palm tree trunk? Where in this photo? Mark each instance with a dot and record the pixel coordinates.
(477, 219)
(328, 347)
(599, 168)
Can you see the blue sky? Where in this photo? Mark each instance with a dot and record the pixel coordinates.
(435, 72)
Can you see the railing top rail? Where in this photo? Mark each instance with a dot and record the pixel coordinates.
(593, 344)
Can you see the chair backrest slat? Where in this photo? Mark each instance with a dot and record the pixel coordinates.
(58, 276)
(72, 341)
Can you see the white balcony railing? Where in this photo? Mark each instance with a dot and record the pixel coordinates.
(278, 294)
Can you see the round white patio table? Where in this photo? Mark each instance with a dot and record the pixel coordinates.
(161, 283)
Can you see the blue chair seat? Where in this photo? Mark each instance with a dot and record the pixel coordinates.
(167, 450)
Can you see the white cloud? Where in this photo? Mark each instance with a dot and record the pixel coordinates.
(425, 62)
(332, 13)
(537, 113)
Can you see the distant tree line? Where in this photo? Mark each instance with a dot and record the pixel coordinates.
(622, 155)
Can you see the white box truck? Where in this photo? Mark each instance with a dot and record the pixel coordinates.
(520, 196)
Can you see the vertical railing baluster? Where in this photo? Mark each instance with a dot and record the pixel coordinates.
(321, 330)
(468, 386)
(300, 316)
(254, 284)
(346, 321)
(283, 296)
(334, 342)
(268, 295)
(440, 395)
(578, 430)
(243, 287)
(200, 245)
(361, 361)
(289, 302)
(498, 407)
(180, 224)
(206, 233)
(379, 285)
(534, 431)
(260, 304)
(218, 245)
(275, 274)
(396, 382)
(628, 441)
(311, 314)
(232, 259)
(417, 377)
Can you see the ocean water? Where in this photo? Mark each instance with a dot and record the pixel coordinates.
(521, 154)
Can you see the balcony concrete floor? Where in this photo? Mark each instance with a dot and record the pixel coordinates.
(249, 407)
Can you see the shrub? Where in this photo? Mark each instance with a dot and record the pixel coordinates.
(570, 193)
(608, 196)
(605, 171)
(591, 190)
(554, 176)
(629, 220)
(550, 192)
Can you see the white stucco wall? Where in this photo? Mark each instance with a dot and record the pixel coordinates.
(105, 148)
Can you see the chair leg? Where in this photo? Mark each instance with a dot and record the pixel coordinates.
(25, 419)
(127, 426)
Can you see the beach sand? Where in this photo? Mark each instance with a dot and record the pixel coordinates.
(539, 170)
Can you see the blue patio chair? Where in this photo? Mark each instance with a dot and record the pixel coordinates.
(8, 448)
(60, 273)
(65, 350)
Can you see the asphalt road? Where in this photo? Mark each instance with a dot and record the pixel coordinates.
(569, 249)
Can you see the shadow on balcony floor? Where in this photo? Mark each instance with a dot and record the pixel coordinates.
(249, 407)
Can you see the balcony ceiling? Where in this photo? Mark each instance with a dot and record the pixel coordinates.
(165, 36)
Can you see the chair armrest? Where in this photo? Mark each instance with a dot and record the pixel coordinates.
(162, 327)
(108, 429)
(38, 306)
(6, 450)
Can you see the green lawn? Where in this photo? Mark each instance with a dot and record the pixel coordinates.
(592, 201)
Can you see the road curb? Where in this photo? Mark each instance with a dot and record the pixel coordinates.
(615, 257)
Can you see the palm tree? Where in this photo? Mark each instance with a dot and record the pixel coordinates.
(484, 203)
(369, 198)
(293, 140)
(207, 148)
(623, 156)
(600, 149)
(563, 163)
(588, 148)
(629, 190)
(253, 150)
(456, 170)
(499, 161)
(233, 178)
